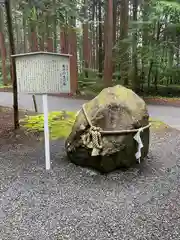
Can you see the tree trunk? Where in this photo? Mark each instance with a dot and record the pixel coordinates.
(145, 33)
(157, 42)
(85, 39)
(49, 39)
(25, 33)
(124, 45)
(33, 40)
(114, 32)
(73, 58)
(149, 74)
(93, 35)
(135, 77)
(64, 40)
(54, 26)
(108, 71)
(100, 37)
(3, 47)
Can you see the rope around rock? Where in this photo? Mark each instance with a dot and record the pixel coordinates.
(93, 138)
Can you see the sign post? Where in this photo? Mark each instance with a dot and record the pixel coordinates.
(46, 131)
(43, 73)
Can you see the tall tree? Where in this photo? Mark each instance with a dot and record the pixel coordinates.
(64, 39)
(135, 77)
(124, 45)
(145, 39)
(85, 39)
(2, 46)
(73, 51)
(100, 45)
(108, 64)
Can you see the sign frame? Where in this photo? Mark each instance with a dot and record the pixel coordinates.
(45, 101)
(41, 53)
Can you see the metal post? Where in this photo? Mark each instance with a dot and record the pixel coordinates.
(12, 52)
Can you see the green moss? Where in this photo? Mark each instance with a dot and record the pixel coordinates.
(157, 124)
(5, 86)
(102, 97)
(120, 90)
(60, 123)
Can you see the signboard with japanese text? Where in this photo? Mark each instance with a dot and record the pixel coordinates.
(43, 73)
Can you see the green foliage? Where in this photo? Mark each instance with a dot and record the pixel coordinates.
(156, 51)
(170, 6)
(60, 123)
(170, 91)
(155, 47)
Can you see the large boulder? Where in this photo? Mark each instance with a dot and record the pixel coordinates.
(114, 109)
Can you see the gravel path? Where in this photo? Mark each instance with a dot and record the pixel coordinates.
(169, 115)
(72, 203)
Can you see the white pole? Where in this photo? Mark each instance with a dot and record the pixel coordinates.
(46, 131)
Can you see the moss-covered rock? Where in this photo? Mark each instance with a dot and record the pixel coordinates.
(61, 127)
(116, 108)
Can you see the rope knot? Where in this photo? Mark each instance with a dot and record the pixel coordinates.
(92, 139)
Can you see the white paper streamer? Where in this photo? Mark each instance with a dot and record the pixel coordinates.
(137, 137)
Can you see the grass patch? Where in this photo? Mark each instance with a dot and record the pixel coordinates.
(157, 124)
(60, 124)
(5, 86)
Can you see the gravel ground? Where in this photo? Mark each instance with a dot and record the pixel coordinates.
(70, 202)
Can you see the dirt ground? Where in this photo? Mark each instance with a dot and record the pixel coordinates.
(10, 136)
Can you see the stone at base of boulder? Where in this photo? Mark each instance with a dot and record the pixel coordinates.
(108, 163)
(114, 112)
